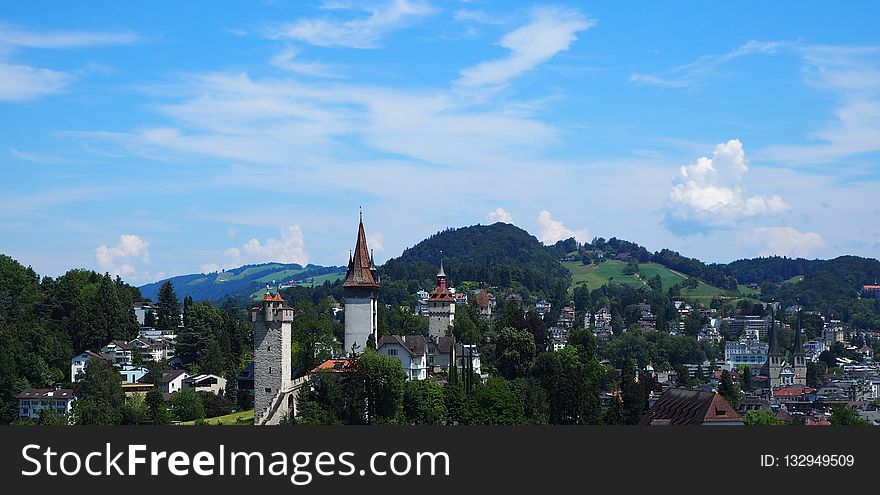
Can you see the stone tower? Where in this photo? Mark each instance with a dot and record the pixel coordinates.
(774, 358)
(272, 373)
(441, 307)
(798, 357)
(361, 291)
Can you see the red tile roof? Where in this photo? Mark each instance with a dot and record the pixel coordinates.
(334, 366)
(360, 273)
(679, 406)
(792, 391)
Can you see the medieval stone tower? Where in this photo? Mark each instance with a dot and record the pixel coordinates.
(361, 291)
(441, 307)
(272, 373)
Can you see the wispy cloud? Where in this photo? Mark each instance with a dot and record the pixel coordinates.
(22, 82)
(549, 31)
(18, 36)
(852, 73)
(287, 59)
(361, 32)
(698, 71)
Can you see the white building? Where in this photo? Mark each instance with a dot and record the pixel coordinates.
(410, 350)
(746, 351)
(33, 400)
(206, 383)
(171, 381)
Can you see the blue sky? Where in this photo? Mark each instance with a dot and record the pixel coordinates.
(163, 138)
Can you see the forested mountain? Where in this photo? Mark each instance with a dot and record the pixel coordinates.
(243, 281)
(500, 254)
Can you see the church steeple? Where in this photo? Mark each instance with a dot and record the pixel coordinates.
(774, 338)
(360, 267)
(798, 339)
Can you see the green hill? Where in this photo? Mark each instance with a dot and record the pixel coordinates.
(244, 281)
(500, 254)
(595, 276)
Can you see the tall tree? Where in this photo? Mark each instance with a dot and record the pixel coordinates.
(633, 398)
(169, 308)
(99, 396)
(514, 352)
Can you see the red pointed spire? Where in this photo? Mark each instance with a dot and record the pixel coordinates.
(359, 269)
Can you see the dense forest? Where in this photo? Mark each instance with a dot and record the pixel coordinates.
(500, 255)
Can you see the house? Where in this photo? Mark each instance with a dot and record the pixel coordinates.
(120, 350)
(171, 381)
(33, 400)
(78, 363)
(486, 302)
(679, 406)
(131, 373)
(206, 383)
(410, 350)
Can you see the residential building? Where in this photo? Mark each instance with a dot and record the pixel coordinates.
(78, 363)
(171, 381)
(410, 350)
(747, 351)
(33, 400)
(206, 383)
(678, 406)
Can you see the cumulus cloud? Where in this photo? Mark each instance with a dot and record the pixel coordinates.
(786, 241)
(375, 240)
(710, 193)
(550, 31)
(119, 259)
(290, 248)
(500, 215)
(210, 268)
(554, 230)
(363, 32)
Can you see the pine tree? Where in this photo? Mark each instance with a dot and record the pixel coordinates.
(169, 308)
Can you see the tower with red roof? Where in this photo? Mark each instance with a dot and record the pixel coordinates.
(273, 321)
(361, 291)
(441, 306)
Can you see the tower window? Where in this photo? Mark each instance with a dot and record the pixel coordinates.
(268, 348)
(270, 370)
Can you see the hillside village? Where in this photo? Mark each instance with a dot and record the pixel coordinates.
(623, 349)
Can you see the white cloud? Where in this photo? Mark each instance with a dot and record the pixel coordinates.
(853, 74)
(786, 241)
(697, 71)
(500, 215)
(21, 37)
(554, 230)
(287, 59)
(550, 31)
(375, 240)
(290, 248)
(363, 32)
(118, 259)
(210, 268)
(23, 82)
(710, 193)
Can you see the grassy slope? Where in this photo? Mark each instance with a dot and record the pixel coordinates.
(244, 418)
(595, 276)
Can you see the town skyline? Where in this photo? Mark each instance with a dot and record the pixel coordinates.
(155, 147)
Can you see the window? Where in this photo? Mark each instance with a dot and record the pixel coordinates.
(392, 352)
(270, 370)
(268, 348)
(268, 390)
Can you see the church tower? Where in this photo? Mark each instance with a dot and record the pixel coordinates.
(361, 291)
(441, 307)
(800, 360)
(272, 374)
(774, 358)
